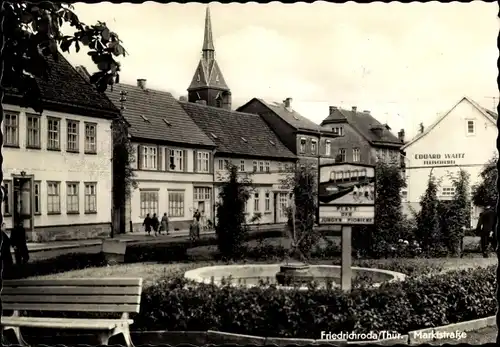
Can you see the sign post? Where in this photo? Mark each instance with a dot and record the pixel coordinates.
(346, 197)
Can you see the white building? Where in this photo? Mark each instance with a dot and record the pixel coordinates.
(57, 165)
(462, 138)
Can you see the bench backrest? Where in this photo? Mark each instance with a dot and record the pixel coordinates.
(73, 295)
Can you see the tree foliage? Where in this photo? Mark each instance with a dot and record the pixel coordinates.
(301, 180)
(459, 212)
(485, 193)
(231, 229)
(428, 231)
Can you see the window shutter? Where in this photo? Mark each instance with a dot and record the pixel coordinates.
(167, 159)
(195, 161)
(185, 161)
(211, 162)
(140, 154)
(159, 150)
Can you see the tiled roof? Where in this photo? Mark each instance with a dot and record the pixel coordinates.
(66, 89)
(292, 117)
(364, 123)
(157, 116)
(236, 132)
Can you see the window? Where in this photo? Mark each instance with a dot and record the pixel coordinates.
(149, 157)
(338, 131)
(7, 203)
(356, 155)
(242, 166)
(11, 129)
(72, 197)
(221, 164)
(267, 202)
(342, 155)
(32, 131)
(72, 127)
(53, 133)
(448, 191)
(176, 204)
(471, 129)
(314, 146)
(37, 201)
(203, 161)
(302, 148)
(261, 166)
(256, 202)
(90, 138)
(201, 193)
(280, 167)
(149, 202)
(404, 195)
(254, 166)
(328, 147)
(176, 159)
(268, 167)
(53, 198)
(91, 197)
(198, 78)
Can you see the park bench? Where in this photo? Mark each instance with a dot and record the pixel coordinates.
(109, 296)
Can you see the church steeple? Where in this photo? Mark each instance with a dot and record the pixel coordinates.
(208, 84)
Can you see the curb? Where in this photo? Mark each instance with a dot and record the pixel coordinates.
(418, 337)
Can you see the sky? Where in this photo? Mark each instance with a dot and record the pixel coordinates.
(406, 63)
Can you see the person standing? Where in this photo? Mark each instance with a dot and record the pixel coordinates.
(196, 218)
(147, 224)
(155, 223)
(164, 223)
(18, 241)
(486, 229)
(6, 257)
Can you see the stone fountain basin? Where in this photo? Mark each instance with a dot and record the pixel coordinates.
(249, 274)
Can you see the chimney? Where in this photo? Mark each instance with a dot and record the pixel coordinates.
(183, 98)
(201, 102)
(366, 111)
(401, 135)
(288, 104)
(354, 108)
(141, 82)
(226, 101)
(333, 109)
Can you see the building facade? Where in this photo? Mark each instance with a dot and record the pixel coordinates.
(173, 158)
(304, 138)
(362, 138)
(57, 164)
(246, 141)
(442, 153)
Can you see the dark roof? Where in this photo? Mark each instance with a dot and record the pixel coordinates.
(237, 133)
(291, 117)
(65, 89)
(364, 123)
(157, 116)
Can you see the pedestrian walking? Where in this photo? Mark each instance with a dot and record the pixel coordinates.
(6, 255)
(147, 224)
(485, 229)
(19, 242)
(155, 223)
(164, 223)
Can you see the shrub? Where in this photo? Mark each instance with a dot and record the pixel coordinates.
(428, 231)
(176, 304)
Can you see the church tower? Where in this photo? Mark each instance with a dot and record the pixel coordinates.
(208, 85)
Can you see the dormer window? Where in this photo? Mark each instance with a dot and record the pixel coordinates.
(302, 148)
(198, 78)
(339, 131)
(217, 78)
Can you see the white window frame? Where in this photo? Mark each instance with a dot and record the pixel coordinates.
(314, 146)
(176, 207)
(90, 138)
(203, 162)
(338, 131)
(268, 166)
(177, 158)
(220, 164)
(302, 145)
(148, 202)
(328, 147)
(447, 191)
(267, 204)
(7, 205)
(72, 197)
(90, 199)
(149, 158)
(255, 166)
(53, 133)
(72, 135)
(33, 131)
(261, 166)
(53, 197)
(343, 154)
(37, 185)
(11, 129)
(256, 202)
(242, 166)
(356, 155)
(201, 193)
(467, 129)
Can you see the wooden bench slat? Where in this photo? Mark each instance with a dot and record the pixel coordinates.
(63, 290)
(75, 282)
(84, 324)
(76, 299)
(71, 307)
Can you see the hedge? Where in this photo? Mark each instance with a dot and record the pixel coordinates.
(399, 306)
